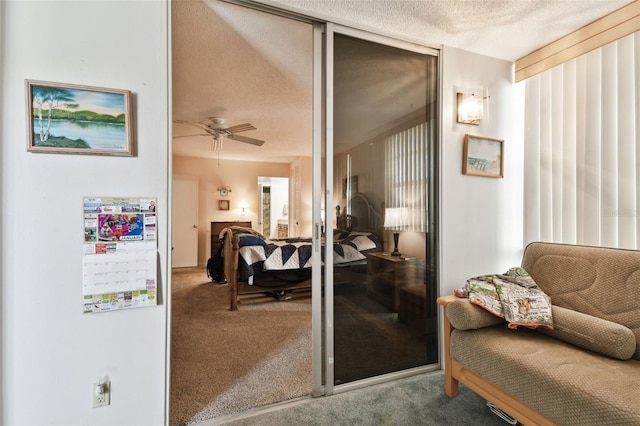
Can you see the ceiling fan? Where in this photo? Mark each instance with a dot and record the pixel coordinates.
(216, 127)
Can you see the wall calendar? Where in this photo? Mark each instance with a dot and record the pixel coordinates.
(120, 253)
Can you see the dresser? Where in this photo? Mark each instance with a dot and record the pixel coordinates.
(283, 229)
(216, 227)
(387, 275)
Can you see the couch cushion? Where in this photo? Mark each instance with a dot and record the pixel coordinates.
(592, 333)
(597, 281)
(566, 384)
(463, 315)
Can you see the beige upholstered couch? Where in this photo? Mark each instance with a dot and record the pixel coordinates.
(584, 372)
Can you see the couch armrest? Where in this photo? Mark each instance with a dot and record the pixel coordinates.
(459, 313)
(464, 315)
(455, 372)
(450, 384)
(444, 300)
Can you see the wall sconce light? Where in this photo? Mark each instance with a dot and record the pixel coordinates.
(224, 190)
(471, 106)
(395, 218)
(243, 207)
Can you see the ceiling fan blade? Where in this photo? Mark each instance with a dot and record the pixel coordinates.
(252, 141)
(240, 128)
(198, 125)
(190, 136)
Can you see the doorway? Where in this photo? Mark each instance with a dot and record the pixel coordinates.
(227, 362)
(273, 219)
(339, 295)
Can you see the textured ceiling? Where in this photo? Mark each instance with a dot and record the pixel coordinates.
(505, 29)
(246, 67)
(249, 66)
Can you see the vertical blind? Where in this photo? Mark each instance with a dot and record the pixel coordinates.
(406, 175)
(582, 149)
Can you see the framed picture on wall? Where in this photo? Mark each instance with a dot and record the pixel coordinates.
(483, 156)
(74, 119)
(353, 186)
(223, 204)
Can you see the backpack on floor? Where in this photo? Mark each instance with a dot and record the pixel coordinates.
(215, 267)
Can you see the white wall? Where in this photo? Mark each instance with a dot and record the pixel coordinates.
(481, 218)
(51, 352)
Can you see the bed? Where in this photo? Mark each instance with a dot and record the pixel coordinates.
(254, 264)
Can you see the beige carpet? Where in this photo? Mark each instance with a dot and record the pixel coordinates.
(225, 362)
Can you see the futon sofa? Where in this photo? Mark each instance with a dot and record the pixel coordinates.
(586, 371)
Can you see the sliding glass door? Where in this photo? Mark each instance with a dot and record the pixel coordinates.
(378, 178)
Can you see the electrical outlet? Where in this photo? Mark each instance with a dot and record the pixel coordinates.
(101, 394)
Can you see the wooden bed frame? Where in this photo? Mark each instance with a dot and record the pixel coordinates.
(364, 217)
(237, 288)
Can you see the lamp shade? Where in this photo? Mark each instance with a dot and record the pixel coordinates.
(470, 107)
(396, 217)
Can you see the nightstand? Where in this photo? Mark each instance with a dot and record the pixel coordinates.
(387, 274)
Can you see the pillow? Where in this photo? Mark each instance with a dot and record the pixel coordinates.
(592, 333)
(339, 234)
(465, 316)
(361, 242)
(250, 240)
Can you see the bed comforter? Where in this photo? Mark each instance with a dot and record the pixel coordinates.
(257, 254)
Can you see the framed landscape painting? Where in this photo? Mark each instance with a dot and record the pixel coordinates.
(74, 119)
(483, 156)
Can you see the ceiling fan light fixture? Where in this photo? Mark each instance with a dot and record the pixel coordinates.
(215, 123)
(216, 143)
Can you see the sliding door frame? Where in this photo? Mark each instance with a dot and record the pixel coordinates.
(316, 272)
(322, 117)
(331, 29)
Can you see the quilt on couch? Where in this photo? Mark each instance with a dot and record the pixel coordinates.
(514, 296)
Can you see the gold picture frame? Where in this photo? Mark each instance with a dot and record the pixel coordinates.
(75, 119)
(483, 156)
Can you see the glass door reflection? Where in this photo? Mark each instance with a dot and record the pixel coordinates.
(384, 127)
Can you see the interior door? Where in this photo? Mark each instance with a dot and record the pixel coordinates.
(184, 222)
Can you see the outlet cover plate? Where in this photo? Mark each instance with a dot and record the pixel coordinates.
(105, 398)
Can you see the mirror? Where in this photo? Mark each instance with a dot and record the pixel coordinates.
(273, 216)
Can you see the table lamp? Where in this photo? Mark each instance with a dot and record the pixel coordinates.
(395, 218)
